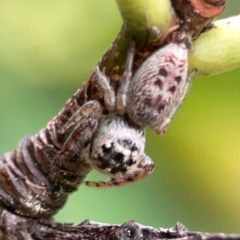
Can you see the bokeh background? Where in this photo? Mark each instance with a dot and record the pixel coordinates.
(49, 47)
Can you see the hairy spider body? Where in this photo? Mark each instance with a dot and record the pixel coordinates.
(118, 151)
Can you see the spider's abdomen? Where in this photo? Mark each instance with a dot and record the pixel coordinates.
(158, 87)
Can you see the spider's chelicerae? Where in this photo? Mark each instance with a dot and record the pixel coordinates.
(154, 93)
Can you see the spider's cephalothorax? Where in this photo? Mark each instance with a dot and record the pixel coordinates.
(152, 96)
(118, 151)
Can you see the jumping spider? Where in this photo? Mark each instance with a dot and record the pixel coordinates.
(150, 98)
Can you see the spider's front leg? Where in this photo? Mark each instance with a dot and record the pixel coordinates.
(79, 131)
(142, 167)
(111, 101)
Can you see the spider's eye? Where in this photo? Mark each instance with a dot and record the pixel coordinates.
(118, 157)
(130, 162)
(105, 149)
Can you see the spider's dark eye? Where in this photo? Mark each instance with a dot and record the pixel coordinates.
(133, 148)
(105, 149)
(130, 162)
(118, 157)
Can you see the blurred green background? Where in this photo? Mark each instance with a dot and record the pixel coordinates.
(49, 47)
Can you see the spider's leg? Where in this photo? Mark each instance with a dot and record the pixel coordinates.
(127, 75)
(138, 171)
(80, 128)
(108, 92)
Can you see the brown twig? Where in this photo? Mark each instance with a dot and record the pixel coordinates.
(42, 229)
